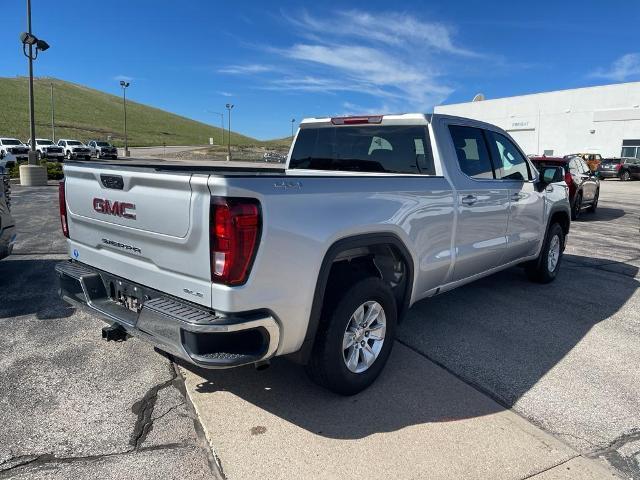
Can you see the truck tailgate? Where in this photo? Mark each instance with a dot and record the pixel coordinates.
(146, 226)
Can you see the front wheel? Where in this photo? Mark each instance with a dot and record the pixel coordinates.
(354, 341)
(545, 268)
(68, 155)
(625, 176)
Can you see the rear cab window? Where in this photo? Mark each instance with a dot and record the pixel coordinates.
(402, 149)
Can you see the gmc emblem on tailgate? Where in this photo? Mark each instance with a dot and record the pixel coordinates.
(119, 209)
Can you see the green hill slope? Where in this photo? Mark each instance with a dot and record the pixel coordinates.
(84, 113)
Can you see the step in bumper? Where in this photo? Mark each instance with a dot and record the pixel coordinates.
(197, 335)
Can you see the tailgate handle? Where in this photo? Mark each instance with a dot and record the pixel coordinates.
(112, 181)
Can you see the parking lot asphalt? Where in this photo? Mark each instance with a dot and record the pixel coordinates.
(73, 406)
(471, 369)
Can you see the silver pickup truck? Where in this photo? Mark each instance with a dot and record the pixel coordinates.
(318, 260)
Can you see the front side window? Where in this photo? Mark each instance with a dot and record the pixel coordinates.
(73, 142)
(375, 148)
(509, 162)
(471, 150)
(11, 142)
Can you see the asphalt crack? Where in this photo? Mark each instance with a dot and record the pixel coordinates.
(629, 466)
(143, 408)
(45, 459)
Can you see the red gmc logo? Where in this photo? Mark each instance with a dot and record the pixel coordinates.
(119, 209)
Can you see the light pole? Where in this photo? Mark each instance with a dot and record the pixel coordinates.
(221, 126)
(229, 107)
(32, 173)
(293, 120)
(124, 86)
(53, 117)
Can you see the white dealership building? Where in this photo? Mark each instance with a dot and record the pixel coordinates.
(603, 119)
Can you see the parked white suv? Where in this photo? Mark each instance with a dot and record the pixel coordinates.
(15, 147)
(47, 149)
(74, 149)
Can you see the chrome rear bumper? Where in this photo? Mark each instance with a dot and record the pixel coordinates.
(192, 333)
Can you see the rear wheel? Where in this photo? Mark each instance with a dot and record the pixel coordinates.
(354, 341)
(577, 207)
(625, 176)
(545, 268)
(68, 155)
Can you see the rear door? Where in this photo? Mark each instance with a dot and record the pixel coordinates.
(482, 203)
(146, 226)
(526, 204)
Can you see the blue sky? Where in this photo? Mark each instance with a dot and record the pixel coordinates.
(291, 59)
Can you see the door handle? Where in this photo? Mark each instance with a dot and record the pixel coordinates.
(517, 196)
(469, 200)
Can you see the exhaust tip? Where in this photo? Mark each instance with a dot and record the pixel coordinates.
(114, 332)
(262, 365)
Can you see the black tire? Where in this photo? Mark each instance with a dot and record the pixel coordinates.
(87, 158)
(327, 366)
(38, 156)
(625, 176)
(539, 270)
(576, 208)
(594, 205)
(97, 155)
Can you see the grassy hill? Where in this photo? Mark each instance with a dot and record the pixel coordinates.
(84, 113)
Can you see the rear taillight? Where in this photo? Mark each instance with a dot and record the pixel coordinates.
(63, 209)
(568, 179)
(234, 235)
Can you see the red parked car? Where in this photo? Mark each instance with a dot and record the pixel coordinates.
(584, 186)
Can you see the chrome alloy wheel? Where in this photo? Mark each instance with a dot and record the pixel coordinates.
(554, 253)
(364, 336)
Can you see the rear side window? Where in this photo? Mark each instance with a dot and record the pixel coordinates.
(390, 149)
(471, 150)
(510, 163)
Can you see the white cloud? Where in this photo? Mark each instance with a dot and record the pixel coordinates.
(123, 78)
(393, 58)
(625, 67)
(246, 69)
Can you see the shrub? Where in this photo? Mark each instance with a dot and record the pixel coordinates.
(54, 170)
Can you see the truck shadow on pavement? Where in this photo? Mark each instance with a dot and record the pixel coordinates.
(602, 214)
(501, 335)
(29, 287)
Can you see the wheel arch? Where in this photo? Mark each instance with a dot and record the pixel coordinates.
(350, 249)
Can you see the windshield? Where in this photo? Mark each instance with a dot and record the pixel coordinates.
(103, 144)
(73, 142)
(10, 141)
(44, 142)
(389, 149)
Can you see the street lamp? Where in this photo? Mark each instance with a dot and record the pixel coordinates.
(124, 86)
(293, 120)
(229, 107)
(32, 173)
(221, 125)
